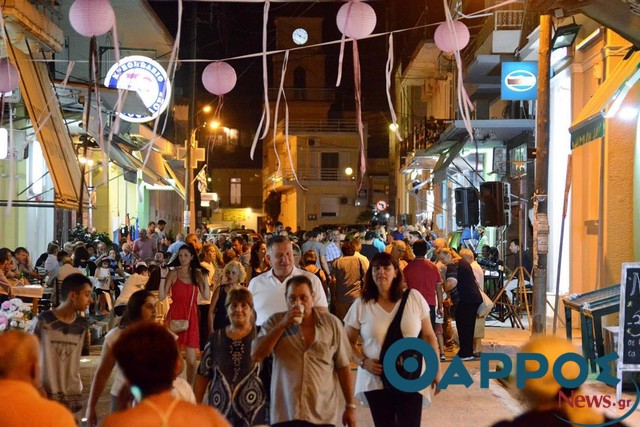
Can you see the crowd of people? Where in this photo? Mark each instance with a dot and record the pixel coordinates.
(277, 322)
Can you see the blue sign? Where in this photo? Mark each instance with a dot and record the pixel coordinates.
(519, 81)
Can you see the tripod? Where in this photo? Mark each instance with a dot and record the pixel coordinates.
(519, 272)
(513, 312)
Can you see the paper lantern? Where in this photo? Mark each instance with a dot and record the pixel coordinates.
(91, 17)
(219, 78)
(444, 37)
(9, 77)
(356, 19)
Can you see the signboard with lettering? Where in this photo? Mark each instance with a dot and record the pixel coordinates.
(237, 215)
(145, 76)
(629, 334)
(519, 81)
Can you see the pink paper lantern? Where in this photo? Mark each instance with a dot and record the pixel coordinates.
(9, 76)
(219, 78)
(356, 19)
(91, 17)
(444, 37)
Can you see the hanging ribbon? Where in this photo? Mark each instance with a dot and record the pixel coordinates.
(388, 70)
(282, 95)
(340, 59)
(465, 106)
(358, 96)
(263, 126)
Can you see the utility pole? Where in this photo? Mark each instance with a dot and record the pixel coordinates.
(189, 217)
(540, 224)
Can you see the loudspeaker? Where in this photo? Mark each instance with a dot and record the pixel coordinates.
(466, 206)
(492, 204)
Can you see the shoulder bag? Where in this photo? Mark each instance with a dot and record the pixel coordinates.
(394, 334)
(181, 325)
(486, 306)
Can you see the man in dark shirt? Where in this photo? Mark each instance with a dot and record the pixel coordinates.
(368, 248)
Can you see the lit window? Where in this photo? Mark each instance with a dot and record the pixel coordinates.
(236, 191)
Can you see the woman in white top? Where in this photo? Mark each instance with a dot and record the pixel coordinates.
(370, 317)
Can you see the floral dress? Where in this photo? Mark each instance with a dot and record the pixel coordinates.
(235, 388)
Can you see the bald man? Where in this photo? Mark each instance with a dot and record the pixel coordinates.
(19, 375)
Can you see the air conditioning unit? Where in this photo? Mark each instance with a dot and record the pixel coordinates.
(344, 200)
(311, 142)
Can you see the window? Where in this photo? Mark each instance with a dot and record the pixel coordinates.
(329, 166)
(236, 191)
(329, 207)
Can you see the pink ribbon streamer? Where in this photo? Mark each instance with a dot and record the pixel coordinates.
(358, 98)
(388, 70)
(465, 106)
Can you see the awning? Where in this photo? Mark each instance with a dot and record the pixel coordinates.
(122, 158)
(158, 172)
(46, 116)
(589, 124)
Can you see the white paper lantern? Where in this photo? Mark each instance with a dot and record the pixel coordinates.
(444, 37)
(9, 76)
(91, 17)
(356, 19)
(219, 78)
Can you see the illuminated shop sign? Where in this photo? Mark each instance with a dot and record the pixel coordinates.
(147, 78)
(519, 81)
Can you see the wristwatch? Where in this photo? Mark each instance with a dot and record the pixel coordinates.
(362, 362)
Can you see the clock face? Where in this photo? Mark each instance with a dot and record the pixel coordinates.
(300, 36)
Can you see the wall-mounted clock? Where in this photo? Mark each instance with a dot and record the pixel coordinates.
(300, 36)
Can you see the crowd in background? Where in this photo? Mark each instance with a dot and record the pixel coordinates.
(264, 322)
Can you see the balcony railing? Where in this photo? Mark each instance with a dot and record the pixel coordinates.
(320, 126)
(305, 94)
(309, 174)
(424, 134)
(509, 19)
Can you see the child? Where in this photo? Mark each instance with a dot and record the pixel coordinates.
(134, 283)
(103, 275)
(62, 332)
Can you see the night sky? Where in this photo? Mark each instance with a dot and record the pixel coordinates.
(226, 30)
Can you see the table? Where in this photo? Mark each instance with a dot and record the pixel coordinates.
(34, 292)
(592, 306)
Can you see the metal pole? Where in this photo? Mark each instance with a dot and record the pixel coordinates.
(541, 178)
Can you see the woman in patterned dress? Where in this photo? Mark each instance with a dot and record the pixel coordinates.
(227, 371)
(184, 283)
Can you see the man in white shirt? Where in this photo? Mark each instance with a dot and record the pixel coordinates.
(268, 288)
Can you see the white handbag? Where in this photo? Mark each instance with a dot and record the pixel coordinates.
(487, 305)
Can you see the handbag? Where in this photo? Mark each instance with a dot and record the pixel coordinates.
(181, 325)
(394, 334)
(486, 306)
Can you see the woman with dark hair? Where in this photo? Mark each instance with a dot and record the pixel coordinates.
(140, 307)
(258, 263)
(81, 261)
(227, 370)
(370, 317)
(153, 286)
(184, 282)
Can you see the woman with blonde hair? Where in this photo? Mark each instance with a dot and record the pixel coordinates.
(543, 395)
(233, 277)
